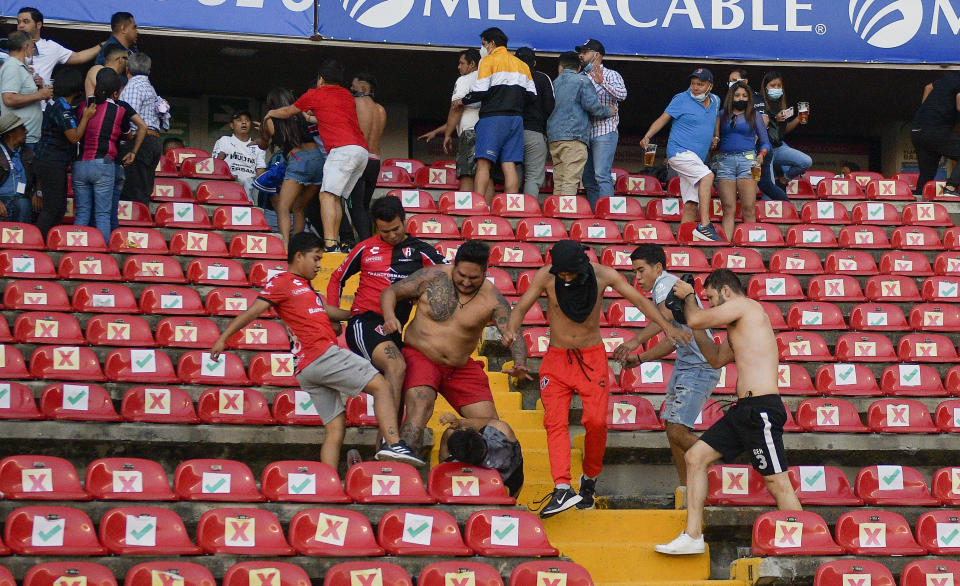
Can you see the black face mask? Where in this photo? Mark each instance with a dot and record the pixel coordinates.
(576, 298)
(740, 104)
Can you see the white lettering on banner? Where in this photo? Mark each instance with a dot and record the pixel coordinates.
(692, 13)
(736, 14)
(560, 16)
(945, 9)
(600, 6)
(473, 7)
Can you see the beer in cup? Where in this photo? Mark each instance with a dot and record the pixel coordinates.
(650, 155)
(804, 110)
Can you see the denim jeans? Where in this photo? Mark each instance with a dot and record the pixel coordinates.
(18, 208)
(796, 164)
(119, 181)
(596, 173)
(93, 183)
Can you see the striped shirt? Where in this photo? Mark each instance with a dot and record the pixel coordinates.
(140, 94)
(502, 85)
(104, 130)
(610, 92)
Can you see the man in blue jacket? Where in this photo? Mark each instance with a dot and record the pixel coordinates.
(568, 128)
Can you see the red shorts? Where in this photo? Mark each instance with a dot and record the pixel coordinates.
(459, 385)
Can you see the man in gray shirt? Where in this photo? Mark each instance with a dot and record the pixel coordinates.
(490, 443)
(19, 91)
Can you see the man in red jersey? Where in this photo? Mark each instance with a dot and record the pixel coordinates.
(336, 112)
(322, 368)
(381, 260)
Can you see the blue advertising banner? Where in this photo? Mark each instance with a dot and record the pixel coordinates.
(882, 31)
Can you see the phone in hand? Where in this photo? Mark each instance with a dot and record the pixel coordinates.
(787, 112)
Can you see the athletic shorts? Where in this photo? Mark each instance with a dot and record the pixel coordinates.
(337, 371)
(343, 169)
(306, 167)
(754, 424)
(500, 139)
(365, 332)
(459, 385)
(466, 164)
(691, 170)
(687, 392)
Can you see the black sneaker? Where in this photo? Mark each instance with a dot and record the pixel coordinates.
(588, 490)
(562, 499)
(707, 232)
(398, 452)
(332, 248)
(353, 458)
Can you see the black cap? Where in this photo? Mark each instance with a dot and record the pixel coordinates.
(526, 55)
(592, 45)
(703, 74)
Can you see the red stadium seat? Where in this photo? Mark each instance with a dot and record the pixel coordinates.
(834, 288)
(458, 483)
(222, 193)
(22, 236)
(489, 228)
(420, 532)
(777, 212)
(877, 317)
(26, 264)
(273, 368)
(269, 573)
(195, 367)
(35, 295)
(667, 209)
(839, 189)
(215, 480)
(227, 301)
(119, 330)
(515, 254)
(893, 486)
(815, 316)
(926, 348)
(800, 188)
(393, 482)
(134, 213)
(367, 572)
(391, 176)
(158, 405)
(833, 415)
(436, 178)
(258, 335)
(892, 288)
(464, 573)
(153, 269)
(216, 271)
(935, 572)
(171, 190)
(267, 246)
(70, 363)
(822, 485)
(181, 154)
(738, 260)
(853, 573)
(941, 289)
(548, 573)
(502, 532)
(51, 530)
(432, 226)
(501, 280)
(648, 377)
(687, 235)
(242, 532)
(915, 238)
(774, 287)
(540, 230)
(926, 214)
(803, 347)
(245, 219)
(792, 533)
(683, 259)
(618, 207)
(203, 168)
(94, 266)
(44, 328)
(12, 365)
(515, 205)
(186, 332)
(595, 231)
(463, 203)
(138, 241)
(360, 412)
(145, 531)
(301, 481)
(181, 215)
(951, 238)
(775, 315)
(415, 200)
(77, 402)
(648, 231)
(876, 213)
(70, 573)
(937, 532)
(295, 407)
(876, 533)
(617, 257)
(890, 190)
(41, 478)
(262, 271)
(811, 236)
(946, 486)
(933, 191)
(736, 485)
(631, 413)
(333, 532)
(863, 178)
(127, 479)
(567, 206)
(935, 317)
(639, 185)
(140, 366)
(170, 300)
(191, 574)
(409, 165)
(911, 380)
(899, 416)
(824, 212)
(863, 236)
(865, 347)
(236, 406)
(905, 263)
(76, 238)
(16, 402)
(847, 380)
(795, 261)
(946, 263)
(191, 243)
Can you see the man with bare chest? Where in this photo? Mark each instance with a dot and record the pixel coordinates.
(755, 422)
(372, 118)
(456, 302)
(576, 361)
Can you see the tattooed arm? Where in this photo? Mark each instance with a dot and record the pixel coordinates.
(518, 349)
(411, 287)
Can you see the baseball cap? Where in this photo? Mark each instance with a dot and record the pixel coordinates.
(591, 45)
(703, 74)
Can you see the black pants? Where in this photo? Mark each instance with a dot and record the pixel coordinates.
(52, 181)
(931, 144)
(140, 174)
(360, 199)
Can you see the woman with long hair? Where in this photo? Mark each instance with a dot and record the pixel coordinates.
(774, 105)
(743, 143)
(305, 160)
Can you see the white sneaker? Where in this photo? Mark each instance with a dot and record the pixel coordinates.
(682, 545)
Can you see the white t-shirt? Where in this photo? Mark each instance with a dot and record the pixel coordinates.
(48, 55)
(243, 158)
(471, 112)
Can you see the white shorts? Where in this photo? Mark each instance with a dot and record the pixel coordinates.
(343, 169)
(691, 170)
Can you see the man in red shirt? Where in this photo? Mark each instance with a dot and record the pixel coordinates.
(323, 369)
(336, 112)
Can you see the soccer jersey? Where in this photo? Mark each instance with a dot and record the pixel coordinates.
(381, 265)
(243, 157)
(301, 309)
(336, 113)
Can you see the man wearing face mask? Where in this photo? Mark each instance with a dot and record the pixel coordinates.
(19, 91)
(738, 74)
(694, 114)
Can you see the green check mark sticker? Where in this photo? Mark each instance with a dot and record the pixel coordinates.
(845, 373)
(306, 405)
(241, 216)
(652, 371)
(909, 376)
(812, 480)
(775, 286)
(465, 200)
(215, 486)
(948, 290)
(74, 399)
(214, 364)
(414, 531)
(888, 480)
(3, 393)
(619, 205)
(948, 538)
(172, 304)
(142, 532)
(48, 535)
(182, 212)
(813, 320)
(145, 361)
(218, 274)
(501, 533)
(876, 212)
(878, 321)
(296, 488)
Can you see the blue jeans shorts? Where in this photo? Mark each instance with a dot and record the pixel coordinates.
(499, 139)
(733, 166)
(687, 392)
(306, 167)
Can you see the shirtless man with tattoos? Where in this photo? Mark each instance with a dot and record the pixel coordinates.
(455, 304)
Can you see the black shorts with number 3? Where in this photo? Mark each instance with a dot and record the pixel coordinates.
(753, 424)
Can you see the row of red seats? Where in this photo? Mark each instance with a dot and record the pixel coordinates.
(149, 530)
(867, 572)
(36, 477)
(140, 268)
(830, 415)
(860, 532)
(741, 485)
(208, 192)
(274, 573)
(166, 404)
(194, 164)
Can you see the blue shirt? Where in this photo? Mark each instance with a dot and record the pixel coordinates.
(17, 173)
(693, 125)
(741, 138)
(689, 354)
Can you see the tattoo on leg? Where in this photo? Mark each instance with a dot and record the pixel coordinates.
(392, 353)
(412, 436)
